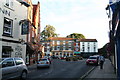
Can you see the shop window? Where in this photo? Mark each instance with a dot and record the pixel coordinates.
(7, 28)
(6, 51)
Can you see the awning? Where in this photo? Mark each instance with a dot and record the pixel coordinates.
(29, 48)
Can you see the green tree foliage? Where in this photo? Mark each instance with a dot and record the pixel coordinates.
(49, 31)
(76, 35)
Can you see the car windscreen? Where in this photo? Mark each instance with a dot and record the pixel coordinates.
(92, 57)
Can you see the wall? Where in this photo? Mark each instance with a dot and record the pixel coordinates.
(17, 12)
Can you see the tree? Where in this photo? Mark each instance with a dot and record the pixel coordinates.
(76, 35)
(49, 31)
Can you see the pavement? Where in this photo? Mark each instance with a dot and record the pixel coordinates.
(107, 73)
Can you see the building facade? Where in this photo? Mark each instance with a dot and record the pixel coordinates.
(67, 47)
(114, 34)
(12, 42)
(33, 37)
(62, 47)
(59, 46)
(88, 47)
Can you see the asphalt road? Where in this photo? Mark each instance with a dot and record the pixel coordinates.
(60, 70)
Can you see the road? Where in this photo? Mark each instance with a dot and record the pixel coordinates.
(60, 69)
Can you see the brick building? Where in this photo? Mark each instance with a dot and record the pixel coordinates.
(33, 37)
(61, 46)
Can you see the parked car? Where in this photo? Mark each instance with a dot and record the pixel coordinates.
(92, 60)
(63, 57)
(43, 62)
(13, 68)
(49, 58)
(55, 57)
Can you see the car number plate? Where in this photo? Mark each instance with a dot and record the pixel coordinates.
(91, 62)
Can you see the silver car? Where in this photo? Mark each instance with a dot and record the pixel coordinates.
(44, 62)
(13, 68)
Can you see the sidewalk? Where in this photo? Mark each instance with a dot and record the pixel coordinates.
(107, 73)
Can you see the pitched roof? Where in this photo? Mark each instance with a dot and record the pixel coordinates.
(60, 38)
(87, 40)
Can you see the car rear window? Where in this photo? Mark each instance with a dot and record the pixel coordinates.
(43, 60)
(1, 59)
(18, 61)
(92, 57)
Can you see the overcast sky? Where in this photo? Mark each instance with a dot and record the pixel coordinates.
(87, 17)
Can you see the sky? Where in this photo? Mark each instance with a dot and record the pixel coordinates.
(87, 17)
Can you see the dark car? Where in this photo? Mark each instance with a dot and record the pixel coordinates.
(92, 60)
(13, 68)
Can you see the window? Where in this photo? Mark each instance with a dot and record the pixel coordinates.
(6, 51)
(8, 63)
(70, 48)
(25, 29)
(94, 44)
(94, 49)
(53, 42)
(64, 47)
(64, 42)
(58, 42)
(83, 44)
(69, 42)
(58, 47)
(43, 44)
(77, 45)
(53, 48)
(88, 49)
(32, 32)
(18, 61)
(83, 49)
(9, 3)
(48, 44)
(7, 28)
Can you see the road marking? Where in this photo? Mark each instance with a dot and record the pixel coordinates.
(81, 78)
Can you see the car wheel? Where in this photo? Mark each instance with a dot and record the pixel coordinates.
(23, 75)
